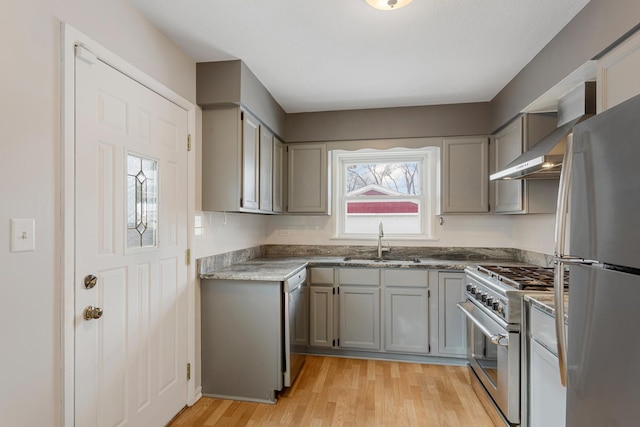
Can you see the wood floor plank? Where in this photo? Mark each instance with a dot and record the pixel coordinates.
(342, 392)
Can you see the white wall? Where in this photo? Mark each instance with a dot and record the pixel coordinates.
(529, 232)
(30, 285)
(534, 232)
(218, 232)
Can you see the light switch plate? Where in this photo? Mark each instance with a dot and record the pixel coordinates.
(23, 234)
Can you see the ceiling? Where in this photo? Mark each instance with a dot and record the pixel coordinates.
(343, 54)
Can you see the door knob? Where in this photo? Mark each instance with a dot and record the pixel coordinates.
(90, 281)
(92, 312)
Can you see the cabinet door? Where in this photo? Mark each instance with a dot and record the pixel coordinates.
(618, 73)
(266, 170)
(465, 175)
(547, 397)
(406, 314)
(508, 146)
(307, 178)
(451, 323)
(321, 316)
(360, 317)
(250, 161)
(279, 162)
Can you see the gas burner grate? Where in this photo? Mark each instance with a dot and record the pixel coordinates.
(523, 278)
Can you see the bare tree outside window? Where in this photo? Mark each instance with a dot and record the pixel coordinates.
(400, 177)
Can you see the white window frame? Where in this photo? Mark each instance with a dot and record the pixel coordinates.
(428, 162)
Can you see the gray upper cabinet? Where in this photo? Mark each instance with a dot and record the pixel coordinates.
(523, 196)
(250, 162)
(266, 170)
(618, 73)
(308, 172)
(279, 174)
(237, 162)
(465, 175)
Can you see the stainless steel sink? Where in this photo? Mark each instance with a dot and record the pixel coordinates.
(381, 261)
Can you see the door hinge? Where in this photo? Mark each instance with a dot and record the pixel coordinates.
(85, 54)
(189, 142)
(188, 371)
(428, 348)
(188, 256)
(428, 293)
(338, 342)
(241, 115)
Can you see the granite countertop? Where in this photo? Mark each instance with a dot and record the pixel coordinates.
(547, 303)
(269, 270)
(281, 268)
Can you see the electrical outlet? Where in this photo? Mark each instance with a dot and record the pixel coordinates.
(23, 234)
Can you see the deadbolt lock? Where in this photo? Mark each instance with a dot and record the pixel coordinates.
(90, 281)
(92, 312)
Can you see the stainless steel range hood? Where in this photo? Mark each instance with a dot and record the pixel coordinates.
(544, 160)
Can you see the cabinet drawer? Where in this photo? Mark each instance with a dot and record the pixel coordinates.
(322, 276)
(543, 330)
(359, 276)
(405, 277)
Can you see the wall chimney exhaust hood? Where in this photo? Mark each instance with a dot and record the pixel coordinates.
(544, 160)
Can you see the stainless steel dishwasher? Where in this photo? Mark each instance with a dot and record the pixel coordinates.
(296, 325)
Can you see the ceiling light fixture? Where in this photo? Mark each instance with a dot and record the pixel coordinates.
(388, 4)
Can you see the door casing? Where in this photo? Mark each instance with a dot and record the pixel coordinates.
(69, 39)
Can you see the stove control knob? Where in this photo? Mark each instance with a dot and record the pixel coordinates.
(483, 297)
(479, 295)
(495, 305)
(468, 288)
(473, 290)
(489, 301)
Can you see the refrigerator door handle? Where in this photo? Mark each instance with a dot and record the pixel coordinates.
(560, 236)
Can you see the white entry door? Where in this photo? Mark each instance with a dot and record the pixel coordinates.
(131, 235)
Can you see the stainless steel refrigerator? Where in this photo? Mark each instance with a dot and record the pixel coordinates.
(602, 170)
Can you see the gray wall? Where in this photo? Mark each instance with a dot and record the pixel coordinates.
(404, 122)
(232, 82)
(600, 24)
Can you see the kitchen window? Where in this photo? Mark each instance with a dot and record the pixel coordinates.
(395, 187)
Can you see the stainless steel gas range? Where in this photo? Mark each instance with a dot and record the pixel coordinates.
(493, 307)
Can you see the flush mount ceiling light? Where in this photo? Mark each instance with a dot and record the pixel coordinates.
(388, 4)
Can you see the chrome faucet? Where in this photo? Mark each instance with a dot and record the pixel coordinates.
(380, 236)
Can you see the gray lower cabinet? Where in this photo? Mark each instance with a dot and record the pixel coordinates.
(451, 322)
(321, 307)
(321, 316)
(406, 314)
(242, 346)
(360, 317)
(406, 310)
(387, 310)
(359, 308)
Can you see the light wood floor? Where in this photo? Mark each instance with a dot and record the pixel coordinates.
(334, 391)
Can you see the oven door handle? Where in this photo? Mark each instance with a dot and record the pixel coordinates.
(497, 339)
